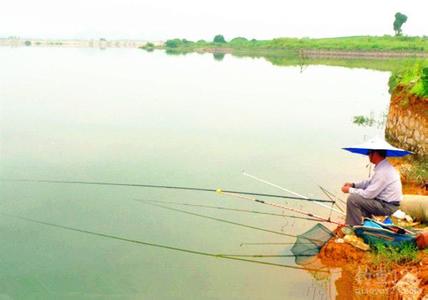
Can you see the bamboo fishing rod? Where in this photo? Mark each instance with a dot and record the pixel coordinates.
(164, 187)
(167, 247)
(331, 208)
(319, 218)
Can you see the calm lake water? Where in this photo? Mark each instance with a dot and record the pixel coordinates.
(123, 115)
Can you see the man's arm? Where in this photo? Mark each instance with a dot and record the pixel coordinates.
(374, 187)
(362, 184)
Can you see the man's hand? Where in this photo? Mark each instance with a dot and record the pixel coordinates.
(346, 187)
(348, 184)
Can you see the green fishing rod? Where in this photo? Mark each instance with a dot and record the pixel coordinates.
(236, 257)
(308, 239)
(166, 187)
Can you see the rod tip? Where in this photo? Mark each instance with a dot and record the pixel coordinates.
(219, 191)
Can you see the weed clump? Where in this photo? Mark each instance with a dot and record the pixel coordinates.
(388, 256)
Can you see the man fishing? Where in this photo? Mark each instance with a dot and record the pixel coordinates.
(379, 195)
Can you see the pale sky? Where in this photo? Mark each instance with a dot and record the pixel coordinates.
(196, 19)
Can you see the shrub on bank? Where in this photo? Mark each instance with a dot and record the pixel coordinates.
(415, 77)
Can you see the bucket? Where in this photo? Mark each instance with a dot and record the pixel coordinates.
(422, 240)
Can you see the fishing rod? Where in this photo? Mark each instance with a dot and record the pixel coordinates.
(332, 196)
(271, 243)
(232, 209)
(319, 218)
(164, 187)
(291, 192)
(312, 240)
(167, 247)
(219, 220)
(264, 255)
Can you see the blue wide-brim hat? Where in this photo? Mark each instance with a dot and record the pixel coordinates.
(377, 144)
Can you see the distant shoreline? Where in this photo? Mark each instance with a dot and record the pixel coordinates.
(76, 43)
(312, 53)
(341, 47)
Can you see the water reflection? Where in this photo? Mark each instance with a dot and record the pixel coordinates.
(372, 120)
(218, 56)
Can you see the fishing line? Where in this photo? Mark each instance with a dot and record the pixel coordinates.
(319, 218)
(216, 219)
(230, 209)
(263, 255)
(331, 196)
(273, 243)
(164, 187)
(109, 236)
(291, 192)
(225, 221)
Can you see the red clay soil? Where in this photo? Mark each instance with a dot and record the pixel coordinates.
(363, 279)
(414, 189)
(402, 95)
(409, 187)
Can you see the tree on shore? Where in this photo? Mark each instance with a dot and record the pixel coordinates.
(219, 39)
(400, 19)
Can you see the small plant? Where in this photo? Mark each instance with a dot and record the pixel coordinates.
(387, 255)
(418, 172)
(148, 47)
(364, 121)
(424, 80)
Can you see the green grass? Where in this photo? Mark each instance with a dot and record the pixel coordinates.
(418, 172)
(389, 256)
(365, 43)
(415, 77)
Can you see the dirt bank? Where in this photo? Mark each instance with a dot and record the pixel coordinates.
(407, 127)
(364, 278)
(412, 184)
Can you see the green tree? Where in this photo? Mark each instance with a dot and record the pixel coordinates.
(219, 39)
(400, 19)
(172, 43)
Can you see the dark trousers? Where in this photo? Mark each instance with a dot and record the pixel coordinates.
(358, 207)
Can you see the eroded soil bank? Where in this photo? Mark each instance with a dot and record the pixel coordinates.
(364, 278)
(407, 128)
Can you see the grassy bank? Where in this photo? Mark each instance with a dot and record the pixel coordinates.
(297, 52)
(390, 256)
(362, 43)
(413, 77)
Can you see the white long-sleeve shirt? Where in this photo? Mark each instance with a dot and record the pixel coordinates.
(385, 184)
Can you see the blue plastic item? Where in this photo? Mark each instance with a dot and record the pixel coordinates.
(388, 221)
(373, 232)
(371, 223)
